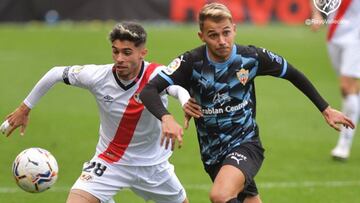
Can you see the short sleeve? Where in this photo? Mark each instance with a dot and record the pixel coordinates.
(82, 76)
(271, 63)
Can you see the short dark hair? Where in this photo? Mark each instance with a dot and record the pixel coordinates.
(130, 31)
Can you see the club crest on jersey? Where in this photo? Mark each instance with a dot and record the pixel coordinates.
(243, 76)
(327, 6)
(173, 66)
(137, 98)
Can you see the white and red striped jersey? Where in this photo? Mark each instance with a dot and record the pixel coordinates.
(344, 26)
(129, 134)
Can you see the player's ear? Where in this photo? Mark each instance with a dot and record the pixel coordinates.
(234, 29)
(143, 53)
(201, 36)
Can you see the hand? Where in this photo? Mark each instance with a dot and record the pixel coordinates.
(334, 117)
(18, 118)
(316, 20)
(191, 109)
(171, 131)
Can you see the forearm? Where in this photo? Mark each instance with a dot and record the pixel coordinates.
(179, 93)
(304, 85)
(151, 99)
(43, 86)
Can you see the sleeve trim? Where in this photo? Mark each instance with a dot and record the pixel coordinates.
(284, 69)
(167, 78)
(65, 76)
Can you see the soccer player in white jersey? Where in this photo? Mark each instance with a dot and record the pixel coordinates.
(343, 40)
(128, 153)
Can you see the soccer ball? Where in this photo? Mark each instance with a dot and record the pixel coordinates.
(35, 170)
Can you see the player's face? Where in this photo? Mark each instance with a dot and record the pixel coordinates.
(127, 58)
(219, 38)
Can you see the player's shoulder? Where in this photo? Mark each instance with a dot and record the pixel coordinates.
(247, 50)
(196, 54)
(153, 67)
(91, 72)
(90, 68)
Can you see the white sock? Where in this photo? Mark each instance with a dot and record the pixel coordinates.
(351, 108)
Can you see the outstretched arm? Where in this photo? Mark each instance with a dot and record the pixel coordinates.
(272, 64)
(20, 117)
(333, 117)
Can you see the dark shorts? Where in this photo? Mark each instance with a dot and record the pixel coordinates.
(248, 158)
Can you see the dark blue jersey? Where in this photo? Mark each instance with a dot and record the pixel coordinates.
(226, 93)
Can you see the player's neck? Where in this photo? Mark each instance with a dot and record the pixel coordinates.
(129, 77)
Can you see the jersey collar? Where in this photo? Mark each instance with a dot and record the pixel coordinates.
(225, 63)
(126, 87)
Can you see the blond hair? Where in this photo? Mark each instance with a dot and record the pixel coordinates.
(214, 11)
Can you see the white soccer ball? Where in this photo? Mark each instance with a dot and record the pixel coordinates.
(35, 170)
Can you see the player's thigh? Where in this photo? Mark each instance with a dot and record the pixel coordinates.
(102, 180)
(351, 60)
(243, 163)
(229, 182)
(80, 196)
(349, 85)
(160, 184)
(253, 199)
(335, 52)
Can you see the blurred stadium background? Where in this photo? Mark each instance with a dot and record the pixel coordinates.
(36, 35)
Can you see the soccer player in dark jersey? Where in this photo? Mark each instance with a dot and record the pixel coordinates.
(220, 77)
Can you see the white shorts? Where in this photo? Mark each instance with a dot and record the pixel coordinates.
(158, 183)
(345, 58)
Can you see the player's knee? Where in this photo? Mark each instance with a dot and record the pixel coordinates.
(252, 199)
(233, 200)
(348, 86)
(221, 197)
(79, 196)
(186, 200)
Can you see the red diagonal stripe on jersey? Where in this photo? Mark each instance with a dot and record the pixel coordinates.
(339, 15)
(128, 122)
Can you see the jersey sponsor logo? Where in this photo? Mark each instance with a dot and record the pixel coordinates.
(108, 99)
(221, 98)
(77, 69)
(237, 157)
(174, 65)
(226, 109)
(327, 6)
(243, 76)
